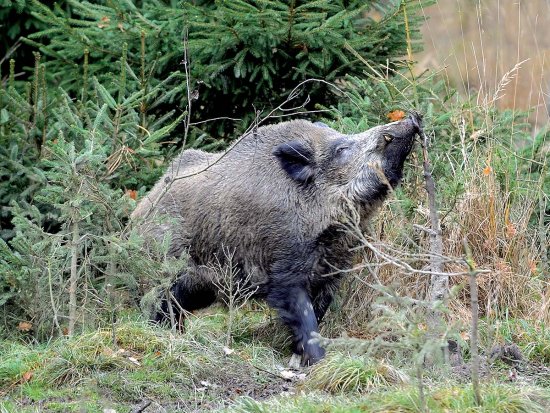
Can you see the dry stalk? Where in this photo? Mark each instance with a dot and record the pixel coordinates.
(475, 313)
(439, 282)
(234, 290)
(74, 277)
(542, 229)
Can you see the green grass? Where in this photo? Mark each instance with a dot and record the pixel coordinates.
(531, 336)
(147, 362)
(190, 371)
(495, 398)
(338, 374)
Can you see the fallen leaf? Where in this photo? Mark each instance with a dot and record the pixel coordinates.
(27, 376)
(108, 352)
(503, 267)
(121, 27)
(132, 193)
(133, 360)
(487, 170)
(228, 351)
(103, 19)
(396, 115)
(238, 391)
(23, 326)
(510, 229)
(465, 335)
(287, 374)
(533, 267)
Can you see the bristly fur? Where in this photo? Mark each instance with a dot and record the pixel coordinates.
(275, 201)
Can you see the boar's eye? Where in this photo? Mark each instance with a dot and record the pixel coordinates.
(341, 150)
(388, 138)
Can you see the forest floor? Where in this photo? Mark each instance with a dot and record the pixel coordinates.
(144, 368)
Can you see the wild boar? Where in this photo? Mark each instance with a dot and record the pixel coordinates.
(276, 201)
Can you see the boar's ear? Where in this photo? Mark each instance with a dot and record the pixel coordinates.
(296, 160)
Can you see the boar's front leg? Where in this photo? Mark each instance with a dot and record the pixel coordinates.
(292, 300)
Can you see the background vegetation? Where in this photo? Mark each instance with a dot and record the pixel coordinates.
(98, 98)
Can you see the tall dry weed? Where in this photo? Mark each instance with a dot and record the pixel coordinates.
(494, 53)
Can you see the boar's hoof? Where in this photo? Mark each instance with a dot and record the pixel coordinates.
(312, 354)
(295, 361)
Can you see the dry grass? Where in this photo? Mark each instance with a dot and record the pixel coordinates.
(502, 239)
(495, 53)
(478, 42)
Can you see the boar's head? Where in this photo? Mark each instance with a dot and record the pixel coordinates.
(362, 167)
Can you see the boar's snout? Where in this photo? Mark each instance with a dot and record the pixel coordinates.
(396, 152)
(407, 128)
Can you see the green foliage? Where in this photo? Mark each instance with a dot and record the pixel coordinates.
(18, 21)
(131, 138)
(69, 164)
(233, 54)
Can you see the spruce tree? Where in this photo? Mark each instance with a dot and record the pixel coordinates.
(235, 57)
(68, 169)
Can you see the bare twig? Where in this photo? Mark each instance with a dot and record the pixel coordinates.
(54, 307)
(213, 119)
(140, 408)
(439, 281)
(74, 276)
(232, 286)
(475, 313)
(170, 309)
(10, 52)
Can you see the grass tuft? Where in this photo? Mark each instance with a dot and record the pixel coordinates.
(338, 374)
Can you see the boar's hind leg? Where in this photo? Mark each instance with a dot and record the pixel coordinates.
(192, 291)
(296, 311)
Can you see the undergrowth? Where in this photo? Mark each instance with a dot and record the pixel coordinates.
(144, 362)
(193, 371)
(496, 398)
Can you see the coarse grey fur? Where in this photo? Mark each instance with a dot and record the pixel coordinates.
(276, 200)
